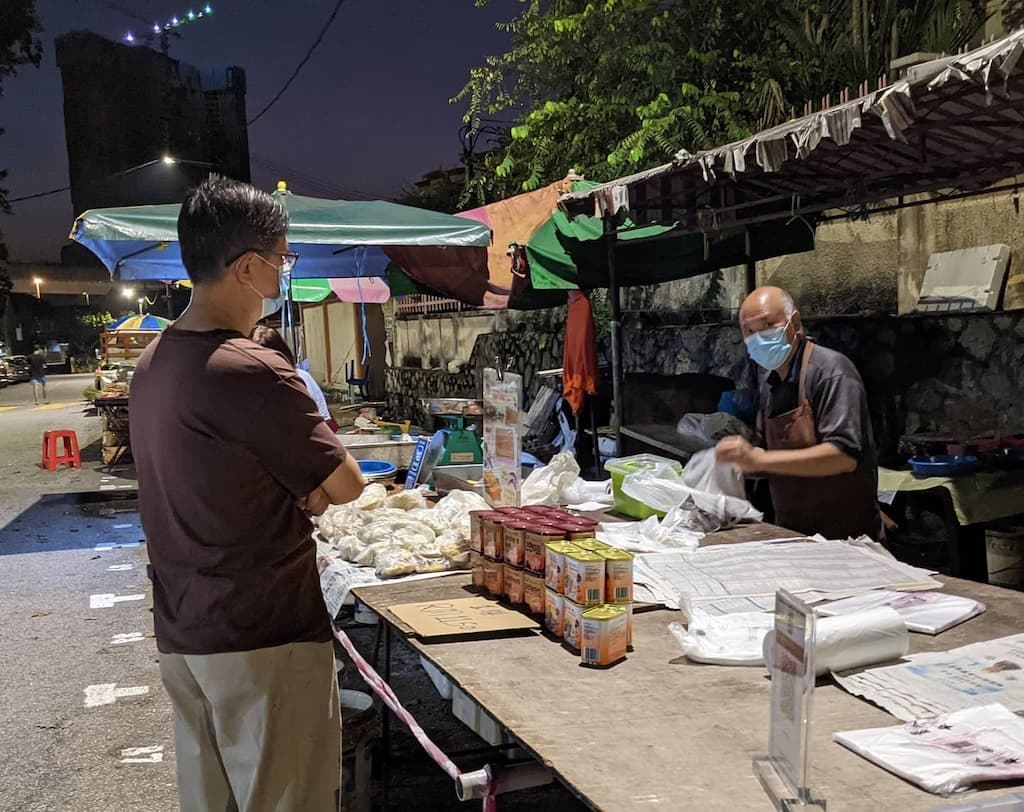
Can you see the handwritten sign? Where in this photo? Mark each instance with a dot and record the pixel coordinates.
(463, 616)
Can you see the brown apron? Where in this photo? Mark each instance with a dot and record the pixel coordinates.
(836, 506)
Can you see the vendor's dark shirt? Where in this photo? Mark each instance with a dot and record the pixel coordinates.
(226, 439)
(837, 397)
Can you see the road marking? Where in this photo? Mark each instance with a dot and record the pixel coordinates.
(116, 487)
(116, 545)
(49, 407)
(8, 408)
(109, 600)
(128, 637)
(120, 567)
(108, 693)
(122, 526)
(143, 755)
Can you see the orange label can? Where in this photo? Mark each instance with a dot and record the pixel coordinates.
(554, 608)
(603, 635)
(584, 577)
(618, 575)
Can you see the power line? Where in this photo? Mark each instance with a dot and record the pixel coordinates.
(39, 194)
(324, 186)
(302, 63)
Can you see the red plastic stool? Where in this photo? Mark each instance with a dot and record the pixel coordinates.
(70, 456)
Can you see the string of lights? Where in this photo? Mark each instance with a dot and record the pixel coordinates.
(301, 65)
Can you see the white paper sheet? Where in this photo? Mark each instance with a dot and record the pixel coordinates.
(925, 612)
(942, 682)
(338, 578)
(833, 569)
(948, 753)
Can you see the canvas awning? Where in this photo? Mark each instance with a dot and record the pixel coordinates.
(955, 123)
(334, 238)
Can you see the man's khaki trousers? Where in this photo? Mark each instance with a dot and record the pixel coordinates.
(256, 731)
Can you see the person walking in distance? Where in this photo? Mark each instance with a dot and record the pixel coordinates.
(232, 456)
(37, 375)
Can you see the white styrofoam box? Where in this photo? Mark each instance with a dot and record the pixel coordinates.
(467, 711)
(965, 280)
(441, 682)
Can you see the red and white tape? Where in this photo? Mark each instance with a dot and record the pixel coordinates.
(387, 696)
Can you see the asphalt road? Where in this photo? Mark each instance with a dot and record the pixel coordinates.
(85, 724)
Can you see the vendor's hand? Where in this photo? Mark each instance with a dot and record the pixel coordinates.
(316, 503)
(737, 451)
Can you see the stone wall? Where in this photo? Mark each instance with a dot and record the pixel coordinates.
(521, 350)
(962, 375)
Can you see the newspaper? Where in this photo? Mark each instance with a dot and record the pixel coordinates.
(338, 578)
(815, 570)
(942, 682)
(925, 612)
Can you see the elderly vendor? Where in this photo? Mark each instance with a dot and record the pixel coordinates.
(819, 453)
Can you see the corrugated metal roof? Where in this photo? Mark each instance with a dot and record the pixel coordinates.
(954, 123)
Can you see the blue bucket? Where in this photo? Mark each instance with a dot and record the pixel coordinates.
(377, 469)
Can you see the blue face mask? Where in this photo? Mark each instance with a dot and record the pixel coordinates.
(769, 348)
(272, 305)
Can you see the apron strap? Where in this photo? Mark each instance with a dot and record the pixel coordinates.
(808, 347)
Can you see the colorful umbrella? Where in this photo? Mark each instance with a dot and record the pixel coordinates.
(146, 321)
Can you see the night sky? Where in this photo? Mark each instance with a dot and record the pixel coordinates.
(368, 113)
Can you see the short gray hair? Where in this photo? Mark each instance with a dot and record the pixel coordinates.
(788, 305)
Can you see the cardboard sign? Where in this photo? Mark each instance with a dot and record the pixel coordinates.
(460, 617)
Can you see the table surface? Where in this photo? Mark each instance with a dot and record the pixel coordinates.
(660, 732)
(982, 497)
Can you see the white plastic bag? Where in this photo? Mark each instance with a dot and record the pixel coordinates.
(705, 430)
(704, 473)
(544, 485)
(733, 639)
(663, 489)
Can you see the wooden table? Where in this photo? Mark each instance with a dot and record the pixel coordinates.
(659, 732)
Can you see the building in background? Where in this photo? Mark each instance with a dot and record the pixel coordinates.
(125, 107)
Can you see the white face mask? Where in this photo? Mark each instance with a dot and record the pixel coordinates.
(272, 304)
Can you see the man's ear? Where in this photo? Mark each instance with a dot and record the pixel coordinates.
(798, 326)
(241, 268)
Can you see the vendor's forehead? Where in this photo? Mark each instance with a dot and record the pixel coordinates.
(761, 309)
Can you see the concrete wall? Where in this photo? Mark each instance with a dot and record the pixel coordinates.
(437, 341)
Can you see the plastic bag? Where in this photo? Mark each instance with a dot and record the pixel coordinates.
(705, 430)
(732, 639)
(582, 491)
(408, 500)
(544, 486)
(663, 489)
(704, 473)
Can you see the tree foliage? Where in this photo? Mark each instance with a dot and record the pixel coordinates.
(608, 87)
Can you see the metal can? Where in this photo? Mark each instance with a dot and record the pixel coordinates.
(538, 537)
(476, 565)
(493, 534)
(603, 635)
(514, 541)
(554, 564)
(514, 584)
(494, 577)
(476, 532)
(584, 577)
(554, 607)
(572, 624)
(593, 545)
(533, 593)
(618, 575)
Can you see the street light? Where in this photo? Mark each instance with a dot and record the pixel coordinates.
(142, 301)
(37, 282)
(85, 293)
(128, 293)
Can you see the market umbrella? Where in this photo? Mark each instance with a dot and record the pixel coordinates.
(146, 321)
(335, 238)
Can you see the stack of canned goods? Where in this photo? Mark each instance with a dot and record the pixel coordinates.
(549, 561)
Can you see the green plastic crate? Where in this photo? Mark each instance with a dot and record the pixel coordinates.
(619, 468)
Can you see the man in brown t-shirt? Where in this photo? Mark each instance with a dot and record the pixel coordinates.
(231, 454)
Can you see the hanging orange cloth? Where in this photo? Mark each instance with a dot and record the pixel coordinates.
(579, 363)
